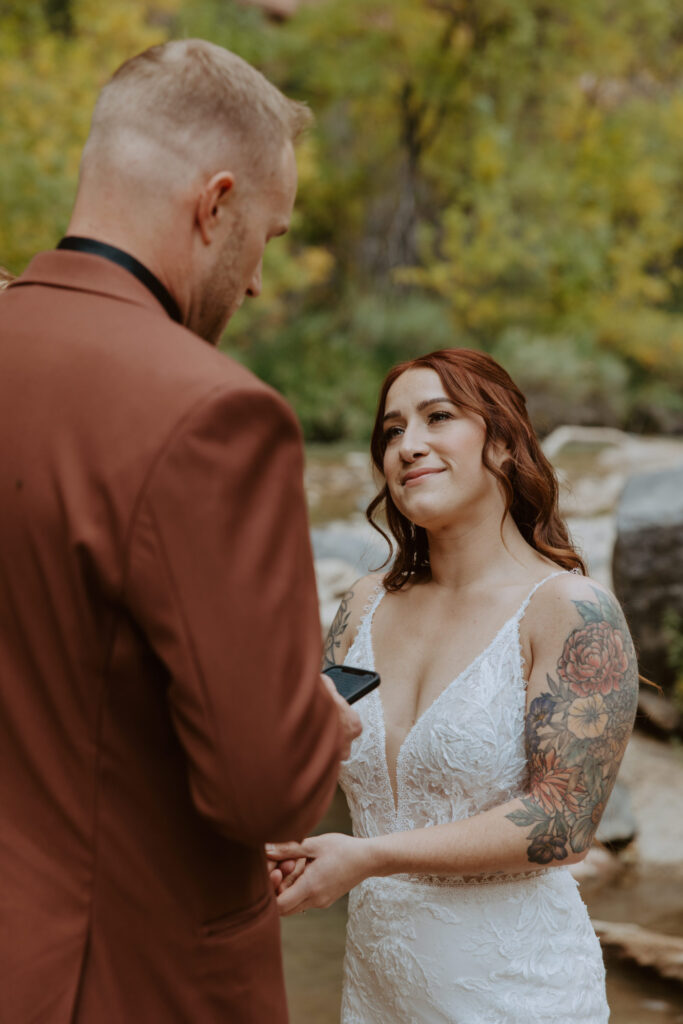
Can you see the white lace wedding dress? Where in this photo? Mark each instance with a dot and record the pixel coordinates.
(508, 950)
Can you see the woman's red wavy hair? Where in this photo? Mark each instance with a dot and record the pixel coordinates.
(477, 383)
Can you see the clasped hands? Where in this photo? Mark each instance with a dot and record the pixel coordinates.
(315, 872)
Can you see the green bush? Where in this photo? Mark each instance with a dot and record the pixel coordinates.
(330, 362)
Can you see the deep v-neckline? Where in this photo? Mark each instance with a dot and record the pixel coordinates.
(394, 793)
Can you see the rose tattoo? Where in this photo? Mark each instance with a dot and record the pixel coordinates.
(576, 733)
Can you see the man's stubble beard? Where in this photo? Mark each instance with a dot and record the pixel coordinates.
(223, 291)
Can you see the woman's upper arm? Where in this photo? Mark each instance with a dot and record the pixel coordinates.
(345, 624)
(582, 698)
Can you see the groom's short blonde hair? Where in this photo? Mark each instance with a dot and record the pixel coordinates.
(190, 97)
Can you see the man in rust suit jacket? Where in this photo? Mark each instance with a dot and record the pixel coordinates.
(161, 709)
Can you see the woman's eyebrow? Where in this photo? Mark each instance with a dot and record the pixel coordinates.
(395, 413)
(435, 401)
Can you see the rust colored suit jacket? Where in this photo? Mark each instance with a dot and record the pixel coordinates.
(161, 712)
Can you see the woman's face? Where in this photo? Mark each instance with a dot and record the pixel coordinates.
(432, 462)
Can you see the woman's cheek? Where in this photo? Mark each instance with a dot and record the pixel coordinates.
(396, 493)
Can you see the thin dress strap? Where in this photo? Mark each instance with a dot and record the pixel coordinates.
(525, 605)
(371, 604)
(363, 632)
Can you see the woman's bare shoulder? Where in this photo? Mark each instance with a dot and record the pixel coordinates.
(567, 596)
(572, 608)
(349, 614)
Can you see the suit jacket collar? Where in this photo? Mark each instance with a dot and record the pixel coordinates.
(78, 271)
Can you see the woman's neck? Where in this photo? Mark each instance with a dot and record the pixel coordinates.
(479, 553)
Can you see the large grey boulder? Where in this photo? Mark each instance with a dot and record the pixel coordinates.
(647, 566)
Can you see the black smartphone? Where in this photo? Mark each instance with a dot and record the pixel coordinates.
(352, 683)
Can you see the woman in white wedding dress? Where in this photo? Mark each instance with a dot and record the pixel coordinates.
(508, 692)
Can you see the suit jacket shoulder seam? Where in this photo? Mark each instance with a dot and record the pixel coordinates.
(257, 387)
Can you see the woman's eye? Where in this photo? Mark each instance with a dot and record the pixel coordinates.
(390, 433)
(438, 417)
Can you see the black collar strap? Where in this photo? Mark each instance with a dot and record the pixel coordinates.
(129, 263)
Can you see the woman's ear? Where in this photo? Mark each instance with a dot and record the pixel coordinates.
(499, 454)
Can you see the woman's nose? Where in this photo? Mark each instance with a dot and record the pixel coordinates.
(413, 444)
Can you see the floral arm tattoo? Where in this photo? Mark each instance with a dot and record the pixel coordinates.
(337, 630)
(576, 733)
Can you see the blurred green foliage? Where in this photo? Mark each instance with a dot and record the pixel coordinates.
(54, 57)
(507, 176)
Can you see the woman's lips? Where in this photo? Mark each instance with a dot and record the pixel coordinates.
(416, 475)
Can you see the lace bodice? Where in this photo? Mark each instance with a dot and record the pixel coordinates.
(463, 755)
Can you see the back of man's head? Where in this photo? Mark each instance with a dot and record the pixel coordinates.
(189, 104)
(190, 168)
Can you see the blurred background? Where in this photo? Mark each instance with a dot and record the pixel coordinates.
(504, 175)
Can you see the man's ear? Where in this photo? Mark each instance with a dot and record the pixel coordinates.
(210, 203)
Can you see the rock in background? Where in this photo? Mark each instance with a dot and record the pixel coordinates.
(648, 565)
(593, 465)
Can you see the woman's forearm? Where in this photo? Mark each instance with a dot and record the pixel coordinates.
(484, 844)
(494, 842)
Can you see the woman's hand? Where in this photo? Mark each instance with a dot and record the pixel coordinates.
(327, 867)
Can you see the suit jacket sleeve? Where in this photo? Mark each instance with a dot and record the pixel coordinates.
(221, 581)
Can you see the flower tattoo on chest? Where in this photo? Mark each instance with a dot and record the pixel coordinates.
(576, 733)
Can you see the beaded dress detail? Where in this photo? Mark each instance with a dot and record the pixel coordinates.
(516, 949)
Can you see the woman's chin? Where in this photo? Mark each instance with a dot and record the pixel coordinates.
(428, 518)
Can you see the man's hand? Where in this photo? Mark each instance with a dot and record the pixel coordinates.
(284, 873)
(350, 720)
(278, 871)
